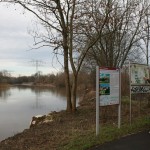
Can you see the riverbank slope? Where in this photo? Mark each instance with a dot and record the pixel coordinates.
(77, 130)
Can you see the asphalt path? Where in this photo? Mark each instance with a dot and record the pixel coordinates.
(139, 141)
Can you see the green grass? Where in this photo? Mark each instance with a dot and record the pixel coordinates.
(107, 133)
(125, 101)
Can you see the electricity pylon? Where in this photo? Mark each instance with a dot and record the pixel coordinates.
(37, 63)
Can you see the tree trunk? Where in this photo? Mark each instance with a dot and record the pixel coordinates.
(74, 92)
(67, 78)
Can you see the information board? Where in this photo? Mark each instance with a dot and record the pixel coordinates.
(109, 86)
(138, 72)
(108, 92)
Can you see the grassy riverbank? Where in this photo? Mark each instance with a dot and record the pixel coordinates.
(77, 131)
(108, 133)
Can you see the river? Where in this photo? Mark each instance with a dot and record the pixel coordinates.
(19, 104)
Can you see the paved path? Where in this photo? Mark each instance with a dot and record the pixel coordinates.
(140, 141)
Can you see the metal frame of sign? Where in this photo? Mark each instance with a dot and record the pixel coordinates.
(134, 87)
(109, 71)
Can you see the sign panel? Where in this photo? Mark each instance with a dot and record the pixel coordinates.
(138, 72)
(109, 86)
(140, 89)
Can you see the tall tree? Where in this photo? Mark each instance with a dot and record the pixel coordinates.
(109, 29)
(145, 40)
(121, 34)
(65, 23)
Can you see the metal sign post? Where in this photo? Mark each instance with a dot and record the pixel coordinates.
(119, 106)
(108, 91)
(130, 93)
(137, 75)
(97, 100)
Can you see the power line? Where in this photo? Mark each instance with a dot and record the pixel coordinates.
(37, 63)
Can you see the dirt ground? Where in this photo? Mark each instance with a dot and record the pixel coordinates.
(56, 134)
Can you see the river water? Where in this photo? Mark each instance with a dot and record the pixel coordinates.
(19, 104)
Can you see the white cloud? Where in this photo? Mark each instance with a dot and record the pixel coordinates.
(15, 43)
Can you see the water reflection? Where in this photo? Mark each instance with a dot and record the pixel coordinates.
(4, 94)
(24, 102)
(37, 90)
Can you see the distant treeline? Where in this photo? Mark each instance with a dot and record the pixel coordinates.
(86, 79)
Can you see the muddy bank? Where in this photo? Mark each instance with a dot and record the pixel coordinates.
(53, 133)
(57, 133)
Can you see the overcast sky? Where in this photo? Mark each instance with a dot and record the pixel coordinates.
(16, 55)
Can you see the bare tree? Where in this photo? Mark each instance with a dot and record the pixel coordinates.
(65, 23)
(145, 40)
(108, 29)
(121, 34)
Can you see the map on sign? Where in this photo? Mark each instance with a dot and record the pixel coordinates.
(138, 72)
